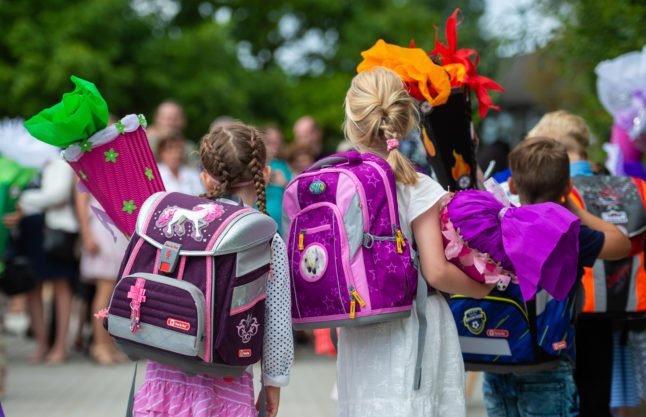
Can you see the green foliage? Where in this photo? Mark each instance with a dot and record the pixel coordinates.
(139, 54)
(593, 31)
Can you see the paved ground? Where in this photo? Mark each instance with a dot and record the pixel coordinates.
(82, 389)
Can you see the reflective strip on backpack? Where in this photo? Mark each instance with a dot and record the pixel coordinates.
(484, 346)
(595, 284)
(600, 287)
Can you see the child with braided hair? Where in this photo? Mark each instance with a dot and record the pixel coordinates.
(235, 169)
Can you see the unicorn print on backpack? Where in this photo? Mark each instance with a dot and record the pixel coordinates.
(172, 220)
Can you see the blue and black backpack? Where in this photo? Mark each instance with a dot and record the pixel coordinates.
(502, 333)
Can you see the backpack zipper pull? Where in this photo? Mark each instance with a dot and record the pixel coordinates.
(400, 236)
(356, 296)
(353, 308)
(399, 239)
(301, 241)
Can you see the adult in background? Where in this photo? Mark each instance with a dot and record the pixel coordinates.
(169, 119)
(299, 157)
(101, 256)
(280, 175)
(176, 176)
(308, 133)
(55, 199)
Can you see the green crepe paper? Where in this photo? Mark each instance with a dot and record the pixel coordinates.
(79, 115)
(13, 179)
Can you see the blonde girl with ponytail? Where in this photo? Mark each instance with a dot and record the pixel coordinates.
(234, 161)
(376, 363)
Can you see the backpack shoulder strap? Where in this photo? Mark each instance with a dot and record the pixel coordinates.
(420, 308)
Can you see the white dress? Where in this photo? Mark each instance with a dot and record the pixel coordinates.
(376, 363)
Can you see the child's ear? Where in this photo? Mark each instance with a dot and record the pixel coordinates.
(568, 188)
(512, 186)
(206, 181)
(266, 174)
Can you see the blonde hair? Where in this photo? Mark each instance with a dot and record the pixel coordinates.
(234, 154)
(567, 128)
(377, 109)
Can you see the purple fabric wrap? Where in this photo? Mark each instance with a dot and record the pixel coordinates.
(539, 243)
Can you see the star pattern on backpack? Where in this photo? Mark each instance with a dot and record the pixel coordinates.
(372, 180)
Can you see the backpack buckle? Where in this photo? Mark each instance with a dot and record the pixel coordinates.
(368, 241)
(169, 257)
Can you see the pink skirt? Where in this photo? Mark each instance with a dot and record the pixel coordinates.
(169, 392)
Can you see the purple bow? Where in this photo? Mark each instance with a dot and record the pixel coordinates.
(539, 243)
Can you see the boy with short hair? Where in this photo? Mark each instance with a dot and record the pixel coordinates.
(540, 173)
(599, 336)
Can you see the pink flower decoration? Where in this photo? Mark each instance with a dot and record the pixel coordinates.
(454, 246)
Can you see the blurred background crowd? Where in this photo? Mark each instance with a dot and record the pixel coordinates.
(284, 65)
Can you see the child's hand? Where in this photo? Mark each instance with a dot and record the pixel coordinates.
(272, 395)
(90, 245)
(11, 220)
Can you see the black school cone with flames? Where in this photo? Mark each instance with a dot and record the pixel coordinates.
(441, 82)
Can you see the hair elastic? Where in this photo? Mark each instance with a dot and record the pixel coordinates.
(392, 144)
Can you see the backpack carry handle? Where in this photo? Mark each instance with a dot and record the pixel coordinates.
(352, 158)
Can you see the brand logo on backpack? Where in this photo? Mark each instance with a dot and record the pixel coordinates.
(474, 320)
(172, 220)
(559, 345)
(318, 187)
(248, 328)
(178, 324)
(615, 217)
(244, 353)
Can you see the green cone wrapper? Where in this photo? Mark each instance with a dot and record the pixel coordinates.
(80, 113)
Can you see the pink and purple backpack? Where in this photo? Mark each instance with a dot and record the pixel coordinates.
(192, 284)
(349, 261)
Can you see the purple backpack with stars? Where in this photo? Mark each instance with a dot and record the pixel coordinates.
(191, 291)
(349, 261)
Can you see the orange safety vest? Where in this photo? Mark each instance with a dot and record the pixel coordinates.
(616, 288)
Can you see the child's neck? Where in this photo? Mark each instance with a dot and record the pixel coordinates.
(246, 194)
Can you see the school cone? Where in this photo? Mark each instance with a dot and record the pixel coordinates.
(449, 144)
(119, 170)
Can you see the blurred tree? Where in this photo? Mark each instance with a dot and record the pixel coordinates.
(260, 61)
(591, 31)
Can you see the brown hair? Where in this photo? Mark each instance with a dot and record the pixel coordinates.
(235, 154)
(540, 169)
(567, 128)
(297, 149)
(166, 141)
(378, 108)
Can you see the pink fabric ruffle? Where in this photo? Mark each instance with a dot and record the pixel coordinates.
(168, 392)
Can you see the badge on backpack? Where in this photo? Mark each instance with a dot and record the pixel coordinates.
(318, 187)
(474, 320)
(314, 262)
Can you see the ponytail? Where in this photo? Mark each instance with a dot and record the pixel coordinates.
(378, 114)
(402, 167)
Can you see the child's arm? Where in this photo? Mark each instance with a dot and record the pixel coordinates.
(616, 245)
(440, 273)
(82, 201)
(278, 352)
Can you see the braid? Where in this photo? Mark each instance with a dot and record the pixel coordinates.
(256, 167)
(216, 166)
(233, 155)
